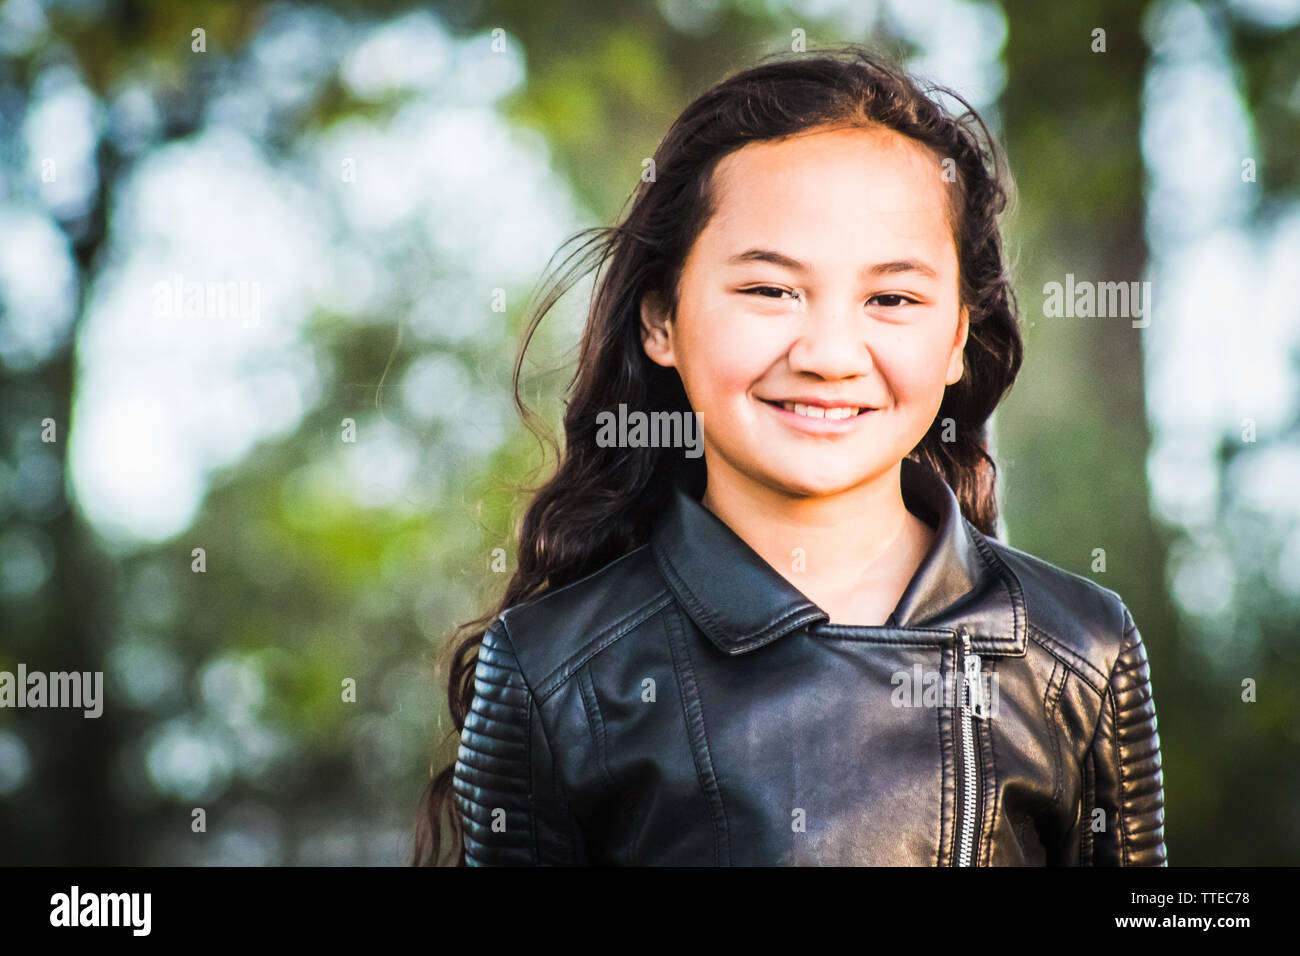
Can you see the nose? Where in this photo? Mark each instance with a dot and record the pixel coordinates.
(831, 341)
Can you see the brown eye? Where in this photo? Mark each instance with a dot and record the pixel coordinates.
(766, 290)
(897, 300)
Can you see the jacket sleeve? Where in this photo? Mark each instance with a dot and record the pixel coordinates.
(1123, 765)
(512, 807)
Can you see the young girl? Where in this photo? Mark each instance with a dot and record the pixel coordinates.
(804, 645)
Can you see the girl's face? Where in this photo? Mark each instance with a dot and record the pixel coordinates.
(828, 275)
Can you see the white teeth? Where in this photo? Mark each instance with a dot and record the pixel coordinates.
(816, 411)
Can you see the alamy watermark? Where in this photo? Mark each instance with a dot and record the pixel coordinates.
(82, 689)
(921, 687)
(639, 429)
(75, 908)
(1086, 299)
(235, 299)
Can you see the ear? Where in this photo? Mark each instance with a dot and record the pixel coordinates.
(955, 358)
(657, 330)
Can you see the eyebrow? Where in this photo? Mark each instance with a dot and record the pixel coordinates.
(894, 267)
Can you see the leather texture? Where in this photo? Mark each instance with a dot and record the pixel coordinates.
(686, 705)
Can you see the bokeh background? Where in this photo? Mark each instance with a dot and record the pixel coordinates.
(388, 181)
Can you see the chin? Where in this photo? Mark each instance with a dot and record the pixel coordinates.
(816, 486)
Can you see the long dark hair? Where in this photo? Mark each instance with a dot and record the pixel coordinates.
(602, 502)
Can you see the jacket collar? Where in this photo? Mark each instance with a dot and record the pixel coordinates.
(741, 602)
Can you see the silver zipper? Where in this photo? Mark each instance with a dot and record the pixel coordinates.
(974, 700)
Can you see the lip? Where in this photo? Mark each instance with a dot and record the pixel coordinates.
(819, 402)
(818, 426)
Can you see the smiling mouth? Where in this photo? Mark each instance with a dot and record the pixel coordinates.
(834, 413)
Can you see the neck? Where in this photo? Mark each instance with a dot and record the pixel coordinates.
(852, 553)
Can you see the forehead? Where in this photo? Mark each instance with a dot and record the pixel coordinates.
(864, 187)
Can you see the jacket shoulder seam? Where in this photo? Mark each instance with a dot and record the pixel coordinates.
(606, 636)
(1082, 668)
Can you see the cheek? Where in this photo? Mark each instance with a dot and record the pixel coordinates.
(722, 361)
(916, 366)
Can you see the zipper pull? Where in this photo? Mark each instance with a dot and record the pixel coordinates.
(977, 701)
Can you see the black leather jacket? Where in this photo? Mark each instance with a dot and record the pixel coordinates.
(686, 705)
